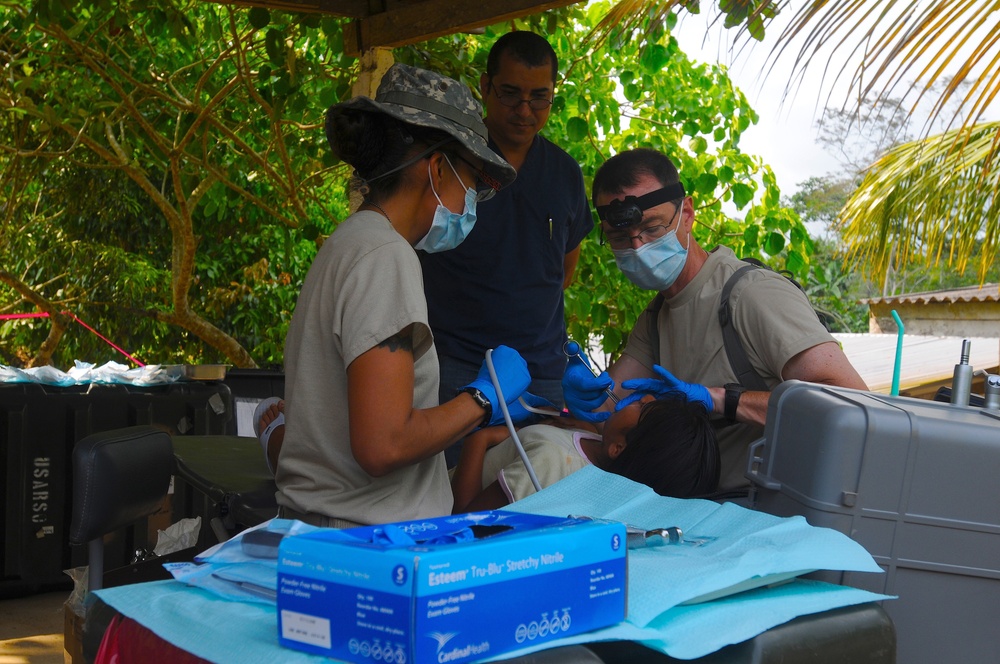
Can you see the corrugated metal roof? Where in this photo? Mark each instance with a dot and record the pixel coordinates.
(924, 359)
(985, 293)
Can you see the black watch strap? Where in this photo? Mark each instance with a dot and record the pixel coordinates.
(482, 401)
(732, 400)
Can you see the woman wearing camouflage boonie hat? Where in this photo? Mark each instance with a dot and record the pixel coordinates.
(364, 434)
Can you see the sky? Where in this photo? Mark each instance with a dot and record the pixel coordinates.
(785, 136)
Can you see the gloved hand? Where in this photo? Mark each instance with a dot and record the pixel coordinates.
(583, 392)
(512, 375)
(519, 414)
(669, 384)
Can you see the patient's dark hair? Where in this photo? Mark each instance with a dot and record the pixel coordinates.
(375, 143)
(672, 449)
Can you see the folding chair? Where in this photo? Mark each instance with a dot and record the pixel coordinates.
(119, 477)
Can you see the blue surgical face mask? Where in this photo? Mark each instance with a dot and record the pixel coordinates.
(449, 229)
(655, 265)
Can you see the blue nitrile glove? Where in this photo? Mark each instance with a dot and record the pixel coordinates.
(512, 374)
(583, 392)
(669, 384)
(520, 415)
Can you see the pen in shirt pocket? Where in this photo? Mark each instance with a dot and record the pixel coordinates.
(550, 226)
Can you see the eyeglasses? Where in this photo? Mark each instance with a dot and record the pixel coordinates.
(622, 240)
(484, 190)
(513, 101)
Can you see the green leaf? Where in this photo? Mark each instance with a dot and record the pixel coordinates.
(311, 20)
(330, 26)
(328, 97)
(259, 17)
(698, 145)
(577, 129)
(274, 45)
(310, 232)
(796, 262)
(600, 315)
(653, 58)
(774, 243)
(742, 194)
(282, 85)
(705, 184)
(612, 340)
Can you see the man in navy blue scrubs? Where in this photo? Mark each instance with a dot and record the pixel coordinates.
(504, 284)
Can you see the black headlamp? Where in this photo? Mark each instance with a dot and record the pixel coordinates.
(628, 211)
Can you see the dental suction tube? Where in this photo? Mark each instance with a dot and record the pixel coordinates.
(510, 423)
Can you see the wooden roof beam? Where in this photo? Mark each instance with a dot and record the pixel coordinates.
(348, 8)
(415, 21)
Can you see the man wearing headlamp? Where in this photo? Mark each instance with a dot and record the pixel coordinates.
(677, 343)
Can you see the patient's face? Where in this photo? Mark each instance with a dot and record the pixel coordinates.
(621, 422)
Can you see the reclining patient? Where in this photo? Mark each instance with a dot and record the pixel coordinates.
(667, 444)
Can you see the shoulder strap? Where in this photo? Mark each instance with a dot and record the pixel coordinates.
(737, 355)
(652, 322)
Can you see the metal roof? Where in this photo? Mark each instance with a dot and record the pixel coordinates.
(924, 359)
(984, 293)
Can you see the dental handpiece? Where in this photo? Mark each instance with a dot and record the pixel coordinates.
(573, 349)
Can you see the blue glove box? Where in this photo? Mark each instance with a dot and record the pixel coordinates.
(917, 483)
(525, 580)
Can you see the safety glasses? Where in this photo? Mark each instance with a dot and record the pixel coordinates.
(485, 190)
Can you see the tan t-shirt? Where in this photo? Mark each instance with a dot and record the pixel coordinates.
(773, 319)
(364, 286)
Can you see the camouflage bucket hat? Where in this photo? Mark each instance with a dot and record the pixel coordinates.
(428, 99)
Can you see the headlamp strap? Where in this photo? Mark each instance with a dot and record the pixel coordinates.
(628, 211)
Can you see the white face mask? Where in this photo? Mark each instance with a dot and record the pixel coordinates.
(449, 229)
(655, 265)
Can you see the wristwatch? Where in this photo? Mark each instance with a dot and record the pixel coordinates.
(732, 400)
(484, 403)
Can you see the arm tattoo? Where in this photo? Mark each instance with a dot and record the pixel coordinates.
(397, 342)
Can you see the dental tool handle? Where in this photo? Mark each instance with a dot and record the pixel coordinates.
(961, 382)
(510, 423)
(572, 349)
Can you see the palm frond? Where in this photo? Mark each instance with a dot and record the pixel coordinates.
(912, 45)
(927, 201)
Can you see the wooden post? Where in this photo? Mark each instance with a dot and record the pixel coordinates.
(373, 65)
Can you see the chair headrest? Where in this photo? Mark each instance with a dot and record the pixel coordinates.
(119, 476)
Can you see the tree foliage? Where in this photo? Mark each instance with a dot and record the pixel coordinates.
(159, 136)
(166, 177)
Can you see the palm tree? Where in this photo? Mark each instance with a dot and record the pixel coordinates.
(924, 201)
